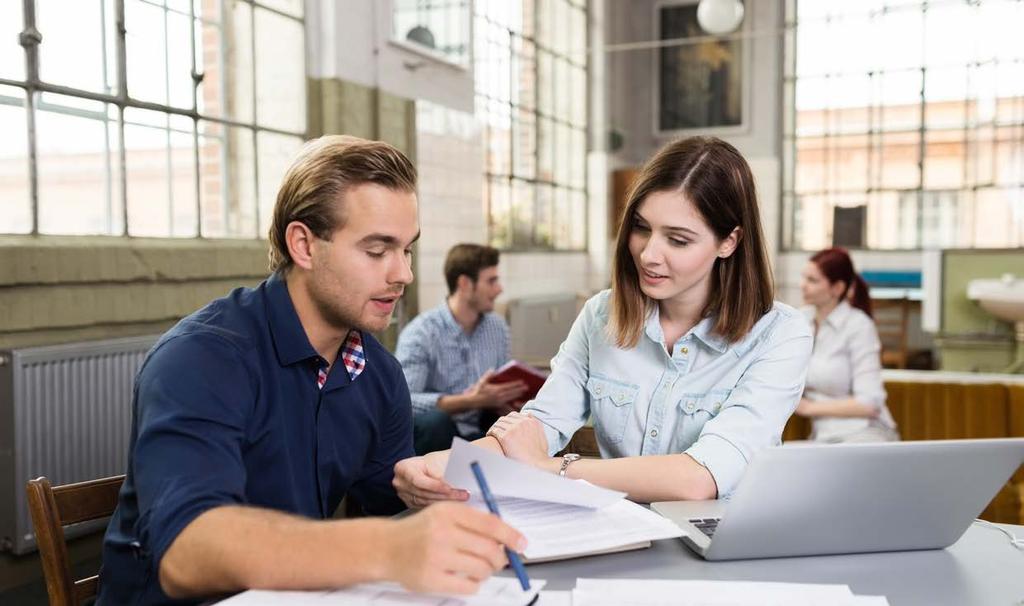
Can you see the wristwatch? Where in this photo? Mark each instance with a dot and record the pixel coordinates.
(566, 459)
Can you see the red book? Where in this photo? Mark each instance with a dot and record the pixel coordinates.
(514, 370)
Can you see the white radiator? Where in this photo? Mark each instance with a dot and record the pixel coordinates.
(65, 413)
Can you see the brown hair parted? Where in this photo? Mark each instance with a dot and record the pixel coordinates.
(318, 178)
(716, 179)
(468, 260)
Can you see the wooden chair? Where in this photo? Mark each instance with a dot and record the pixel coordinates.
(52, 509)
(892, 317)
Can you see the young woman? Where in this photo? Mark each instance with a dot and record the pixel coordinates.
(686, 365)
(844, 396)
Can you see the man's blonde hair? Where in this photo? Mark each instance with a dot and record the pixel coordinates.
(319, 177)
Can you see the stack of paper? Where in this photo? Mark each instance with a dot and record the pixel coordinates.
(561, 518)
(496, 591)
(659, 592)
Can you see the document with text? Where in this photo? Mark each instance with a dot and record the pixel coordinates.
(581, 519)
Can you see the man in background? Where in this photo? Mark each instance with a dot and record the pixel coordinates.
(449, 353)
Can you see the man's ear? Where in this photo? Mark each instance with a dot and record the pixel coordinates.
(300, 241)
(729, 244)
(463, 284)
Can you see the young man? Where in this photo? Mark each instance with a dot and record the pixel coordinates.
(255, 415)
(449, 353)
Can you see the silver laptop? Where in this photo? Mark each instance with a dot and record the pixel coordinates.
(811, 499)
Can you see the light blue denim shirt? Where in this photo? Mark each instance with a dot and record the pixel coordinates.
(717, 402)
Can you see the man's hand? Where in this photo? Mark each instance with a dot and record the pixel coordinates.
(498, 396)
(450, 548)
(419, 481)
(522, 438)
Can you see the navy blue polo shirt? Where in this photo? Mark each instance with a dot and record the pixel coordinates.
(226, 410)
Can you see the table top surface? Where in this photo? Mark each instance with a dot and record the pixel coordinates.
(981, 568)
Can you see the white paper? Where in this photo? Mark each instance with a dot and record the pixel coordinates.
(509, 478)
(868, 600)
(555, 598)
(660, 592)
(496, 591)
(555, 530)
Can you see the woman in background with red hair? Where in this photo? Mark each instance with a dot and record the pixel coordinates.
(844, 396)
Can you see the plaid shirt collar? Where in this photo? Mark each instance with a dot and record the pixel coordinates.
(351, 355)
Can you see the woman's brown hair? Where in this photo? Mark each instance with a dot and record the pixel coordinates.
(715, 178)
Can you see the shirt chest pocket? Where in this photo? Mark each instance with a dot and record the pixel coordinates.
(610, 404)
(694, 410)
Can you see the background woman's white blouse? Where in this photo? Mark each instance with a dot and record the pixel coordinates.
(717, 402)
(846, 363)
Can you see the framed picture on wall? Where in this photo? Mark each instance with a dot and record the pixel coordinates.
(700, 80)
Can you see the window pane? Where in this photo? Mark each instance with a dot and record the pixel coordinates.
(160, 173)
(899, 95)
(12, 57)
(241, 184)
(525, 145)
(541, 217)
(441, 28)
(950, 34)
(563, 219)
(499, 143)
(280, 72)
(292, 7)
(275, 153)
(159, 52)
(577, 158)
(524, 71)
(944, 161)
(810, 165)
(78, 44)
(900, 154)
(578, 215)
(848, 163)
(15, 203)
(76, 151)
(545, 149)
(883, 220)
(225, 61)
(499, 214)
(227, 193)
(1009, 160)
(999, 217)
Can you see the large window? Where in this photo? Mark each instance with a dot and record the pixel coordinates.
(179, 127)
(904, 125)
(531, 83)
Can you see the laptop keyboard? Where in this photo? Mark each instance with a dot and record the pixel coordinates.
(706, 525)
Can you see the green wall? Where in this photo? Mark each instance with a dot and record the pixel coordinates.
(971, 339)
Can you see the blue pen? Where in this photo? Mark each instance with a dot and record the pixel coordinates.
(513, 557)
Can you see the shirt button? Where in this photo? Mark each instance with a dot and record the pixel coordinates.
(654, 433)
(685, 351)
(718, 406)
(598, 390)
(689, 407)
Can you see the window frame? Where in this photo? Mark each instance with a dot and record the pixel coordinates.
(34, 87)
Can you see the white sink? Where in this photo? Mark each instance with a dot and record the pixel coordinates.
(1001, 297)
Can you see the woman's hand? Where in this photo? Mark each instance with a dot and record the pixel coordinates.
(419, 481)
(521, 438)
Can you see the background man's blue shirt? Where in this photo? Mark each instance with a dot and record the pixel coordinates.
(439, 358)
(226, 411)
